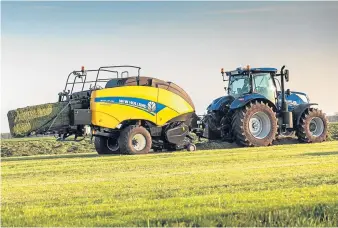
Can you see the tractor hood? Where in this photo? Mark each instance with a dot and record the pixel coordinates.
(294, 99)
(220, 102)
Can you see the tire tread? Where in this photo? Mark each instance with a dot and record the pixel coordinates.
(239, 132)
(302, 130)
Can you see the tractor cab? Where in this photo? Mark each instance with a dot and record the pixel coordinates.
(255, 80)
(264, 82)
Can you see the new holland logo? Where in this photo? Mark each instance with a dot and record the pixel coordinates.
(151, 106)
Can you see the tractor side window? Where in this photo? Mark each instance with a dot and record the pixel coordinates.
(263, 84)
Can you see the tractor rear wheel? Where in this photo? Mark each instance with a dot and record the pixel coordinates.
(104, 145)
(254, 125)
(313, 126)
(135, 140)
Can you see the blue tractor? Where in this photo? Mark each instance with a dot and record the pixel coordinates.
(257, 109)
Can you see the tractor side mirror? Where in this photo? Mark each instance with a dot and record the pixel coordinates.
(224, 75)
(286, 75)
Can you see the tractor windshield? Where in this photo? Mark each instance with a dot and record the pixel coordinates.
(239, 85)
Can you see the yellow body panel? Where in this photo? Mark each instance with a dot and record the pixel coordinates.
(176, 106)
(112, 106)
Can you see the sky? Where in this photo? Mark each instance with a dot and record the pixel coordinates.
(183, 42)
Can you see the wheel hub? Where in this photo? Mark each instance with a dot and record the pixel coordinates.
(260, 125)
(313, 127)
(316, 126)
(255, 125)
(112, 144)
(139, 142)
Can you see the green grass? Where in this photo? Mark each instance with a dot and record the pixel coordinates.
(333, 129)
(286, 185)
(49, 145)
(43, 145)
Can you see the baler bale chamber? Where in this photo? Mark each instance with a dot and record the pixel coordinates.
(38, 118)
(49, 118)
(68, 116)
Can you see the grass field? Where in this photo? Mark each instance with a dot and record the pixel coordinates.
(333, 131)
(286, 185)
(39, 146)
(49, 145)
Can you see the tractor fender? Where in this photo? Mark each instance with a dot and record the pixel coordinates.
(218, 103)
(299, 110)
(243, 100)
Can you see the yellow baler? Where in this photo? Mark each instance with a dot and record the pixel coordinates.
(128, 114)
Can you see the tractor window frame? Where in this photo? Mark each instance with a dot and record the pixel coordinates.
(251, 84)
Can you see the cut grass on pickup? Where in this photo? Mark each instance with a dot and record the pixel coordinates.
(286, 185)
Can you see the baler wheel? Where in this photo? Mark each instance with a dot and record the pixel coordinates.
(313, 126)
(254, 125)
(135, 140)
(191, 147)
(102, 146)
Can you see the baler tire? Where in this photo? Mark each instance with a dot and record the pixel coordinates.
(240, 125)
(191, 147)
(127, 136)
(303, 129)
(101, 146)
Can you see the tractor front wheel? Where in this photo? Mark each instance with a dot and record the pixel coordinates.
(135, 140)
(105, 145)
(254, 125)
(313, 126)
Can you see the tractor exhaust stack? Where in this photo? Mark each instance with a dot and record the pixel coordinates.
(286, 115)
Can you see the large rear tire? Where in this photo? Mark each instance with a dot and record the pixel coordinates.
(254, 125)
(104, 145)
(135, 140)
(313, 126)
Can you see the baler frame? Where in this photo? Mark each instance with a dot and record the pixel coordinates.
(82, 74)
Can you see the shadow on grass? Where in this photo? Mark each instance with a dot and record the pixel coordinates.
(321, 153)
(286, 141)
(218, 144)
(54, 156)
(215, 145)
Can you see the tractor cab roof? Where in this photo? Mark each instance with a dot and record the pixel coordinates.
(241, 70)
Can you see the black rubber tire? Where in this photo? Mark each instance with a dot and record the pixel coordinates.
(191, 147)
(101, 146)
(240, 125)
(126, 136)
(303, 129)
